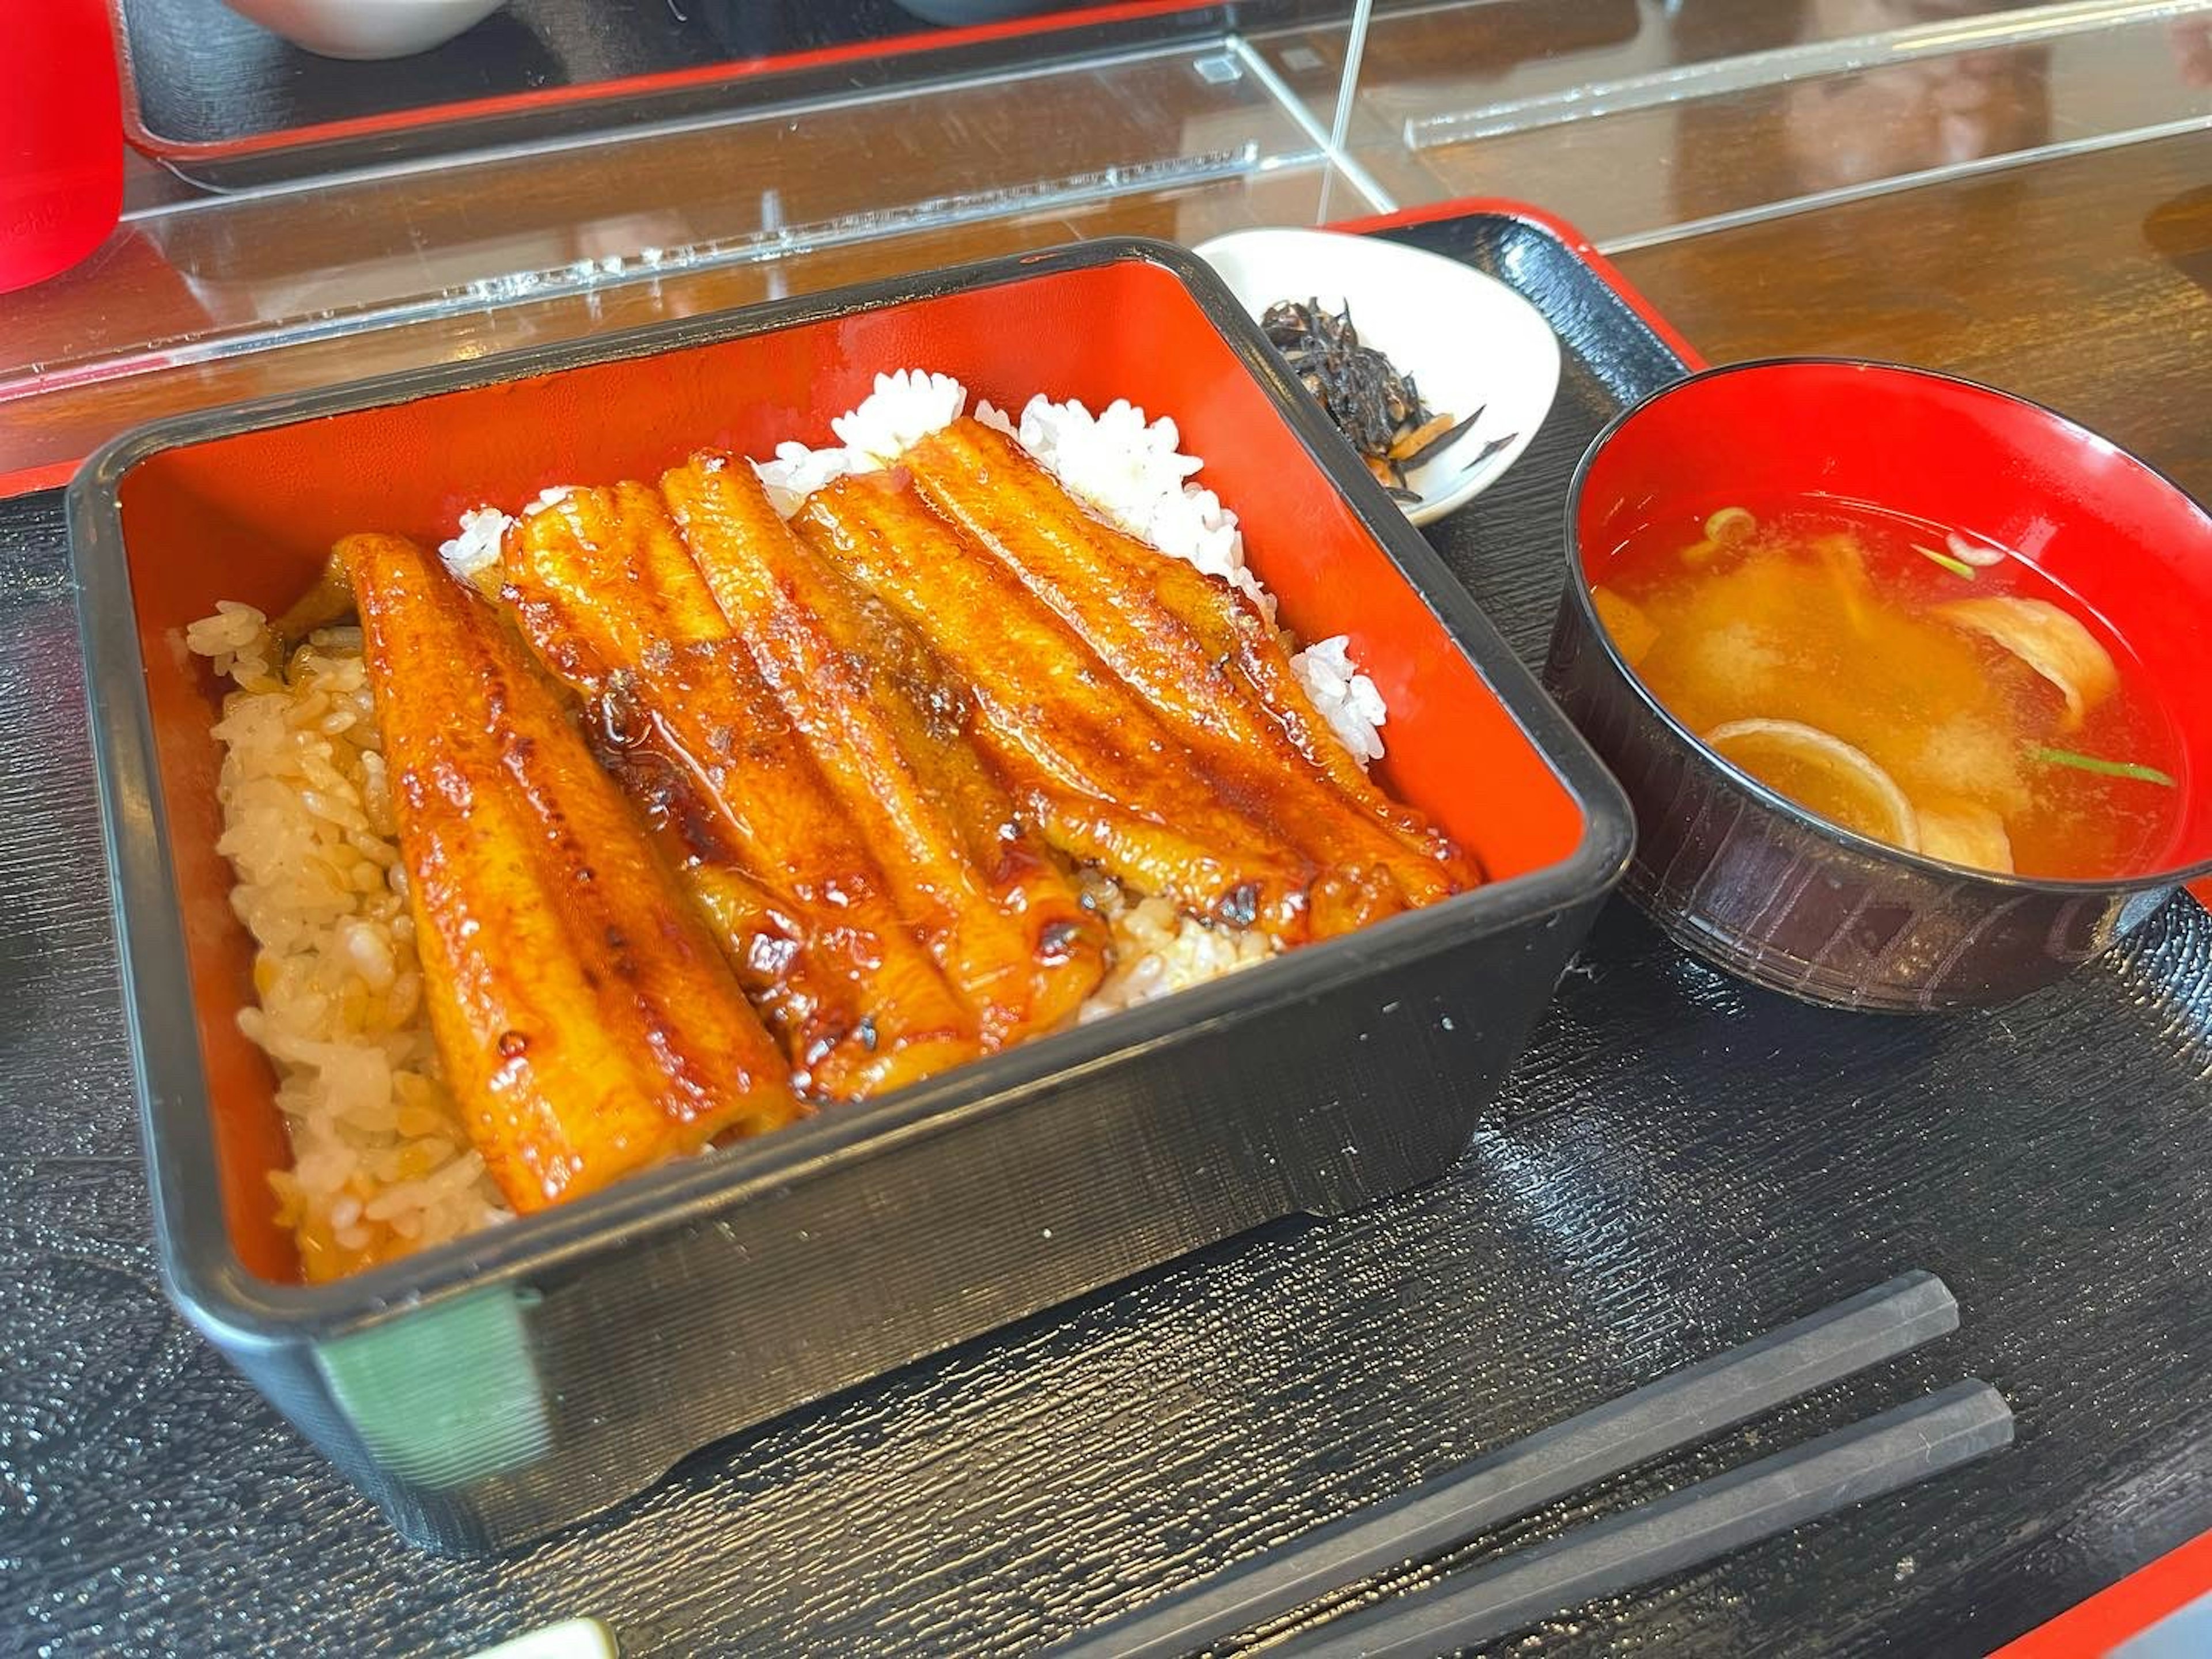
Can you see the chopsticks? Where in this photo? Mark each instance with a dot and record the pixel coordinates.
(1674, 1411)
(1670, 1535)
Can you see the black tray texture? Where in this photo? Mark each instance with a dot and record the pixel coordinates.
(205, 76)
(1678, 1162)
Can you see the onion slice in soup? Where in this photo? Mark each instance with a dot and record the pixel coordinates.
(1847, 786)
(1966, 551)
(2049, 641)
(1961, 832)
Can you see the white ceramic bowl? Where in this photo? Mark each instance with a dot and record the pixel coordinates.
(366, 28)
(1468, 341)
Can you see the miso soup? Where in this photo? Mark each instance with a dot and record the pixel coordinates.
(1913, 682)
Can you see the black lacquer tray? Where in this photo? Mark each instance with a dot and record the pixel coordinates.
(1678, 1163)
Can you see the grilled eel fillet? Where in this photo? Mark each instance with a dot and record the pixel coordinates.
(587, 1024)
(1195, 650)
(605, 589)
(1088, 759)
(889, 734)
(1152, 721)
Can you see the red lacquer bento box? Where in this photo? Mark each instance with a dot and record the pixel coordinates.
(489, 1390)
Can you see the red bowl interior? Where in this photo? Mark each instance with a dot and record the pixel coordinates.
(2131, 544)
(251, 517)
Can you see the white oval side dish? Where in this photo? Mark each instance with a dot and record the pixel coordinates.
(1468, 341)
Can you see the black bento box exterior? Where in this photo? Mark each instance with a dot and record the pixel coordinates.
(490, 1391)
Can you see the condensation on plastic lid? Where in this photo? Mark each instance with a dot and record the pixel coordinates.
(572, 1638)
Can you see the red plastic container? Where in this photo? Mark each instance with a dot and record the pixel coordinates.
(61, 140)
(488, 1390)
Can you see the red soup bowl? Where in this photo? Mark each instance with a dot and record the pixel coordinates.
(1746, 877)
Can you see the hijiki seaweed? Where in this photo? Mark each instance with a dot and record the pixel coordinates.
(1378, 408)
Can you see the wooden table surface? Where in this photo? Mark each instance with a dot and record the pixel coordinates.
(2083, 281)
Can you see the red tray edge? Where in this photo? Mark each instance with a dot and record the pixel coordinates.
(2132, 1605)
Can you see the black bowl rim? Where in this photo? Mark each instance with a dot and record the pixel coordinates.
(1577, 593)
(243, 1312)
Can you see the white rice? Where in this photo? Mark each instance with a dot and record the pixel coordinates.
(797, 471)
(381, 1160)
(1346, 698)
(905, 408)
(475, 547)
(1158, 951)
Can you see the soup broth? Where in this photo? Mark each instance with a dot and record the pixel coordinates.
(1915, 684)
